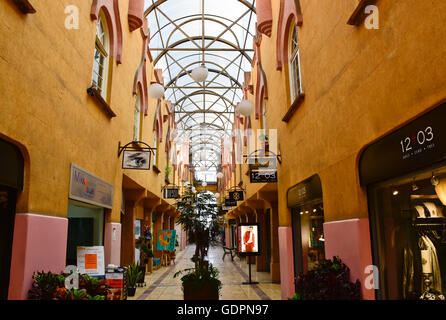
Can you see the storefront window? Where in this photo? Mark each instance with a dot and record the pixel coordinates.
(409, 233)
(85, 228)
(305, 202)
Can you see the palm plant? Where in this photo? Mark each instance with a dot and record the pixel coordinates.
(200, 218)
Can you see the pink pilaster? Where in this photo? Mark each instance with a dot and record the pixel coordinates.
(112, 243)
(350, 240)
(286, 262)
(40, 244)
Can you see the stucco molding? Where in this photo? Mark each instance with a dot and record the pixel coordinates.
(261, 91)
(136, 14)
(111, 11)
(289, 9)
(140, 80)
(264, 17)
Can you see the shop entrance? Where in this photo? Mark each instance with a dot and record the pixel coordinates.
(11, 182)
(305, 202)
(7, 215)
(85, 228)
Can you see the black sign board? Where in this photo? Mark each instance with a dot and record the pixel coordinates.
(262, 169)
(304, 192)
(417, 145)
(171, 193)
(236, 195)
(230, 203)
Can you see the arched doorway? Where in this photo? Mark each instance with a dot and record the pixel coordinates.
(11, 182)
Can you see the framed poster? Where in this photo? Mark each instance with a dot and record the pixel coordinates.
(137, 160)
(90, 260)
(166, 240)
(248, 239)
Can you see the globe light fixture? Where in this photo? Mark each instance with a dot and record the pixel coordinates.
(156, 91)
(204, 184)
(220, 175)
(217, 195)
(200, 74)
(246, 108)
(194, 190)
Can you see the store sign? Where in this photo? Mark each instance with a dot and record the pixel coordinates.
(230, 203)
(171, 193)
(236, 195)
(226, 208)
(417, 145)
(262, 169)
(88, 188)
(305, 191)
(136, 160)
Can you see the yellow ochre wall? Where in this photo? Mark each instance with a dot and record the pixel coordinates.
(45, 71)
(359, 85)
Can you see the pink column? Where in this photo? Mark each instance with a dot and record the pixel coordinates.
(112, 243)
(286, 262)
(227, 240)
(39, 244)
(350, 240)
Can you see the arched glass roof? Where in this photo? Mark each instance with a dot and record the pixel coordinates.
(185, 34)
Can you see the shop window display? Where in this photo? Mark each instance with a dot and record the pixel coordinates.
(409, 235)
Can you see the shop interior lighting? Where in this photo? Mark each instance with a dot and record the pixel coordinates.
(414, 186)
(434, 180)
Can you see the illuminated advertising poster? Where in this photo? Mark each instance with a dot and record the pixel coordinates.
(248, 239)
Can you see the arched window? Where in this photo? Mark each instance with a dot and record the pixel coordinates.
(294, 64)
(137, 120)
(101, 56)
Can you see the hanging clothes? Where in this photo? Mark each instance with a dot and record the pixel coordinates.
(436, 272)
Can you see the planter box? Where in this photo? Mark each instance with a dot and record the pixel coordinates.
(205, 292)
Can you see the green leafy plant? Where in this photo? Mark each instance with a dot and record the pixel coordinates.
(93, 286)
(167, 172)
(329, 280)
(146, 249)
(199, 217)
(45, 285)
(134, 274)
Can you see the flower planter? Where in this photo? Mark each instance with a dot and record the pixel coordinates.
(205, 292)
(131, 292)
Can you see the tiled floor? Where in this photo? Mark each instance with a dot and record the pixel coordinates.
(162, 286)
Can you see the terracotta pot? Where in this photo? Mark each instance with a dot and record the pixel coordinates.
(205, 292)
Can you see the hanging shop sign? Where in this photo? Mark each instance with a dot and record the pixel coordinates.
(236, 195)
(248, 239)
(88, 188)
(171, 192)
(90, 260)
(304, 192)
(262, 167)
(226, 208)
(230, 203)
(417, 145)
(136, 157)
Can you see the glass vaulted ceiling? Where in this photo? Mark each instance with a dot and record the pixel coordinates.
(186, 33)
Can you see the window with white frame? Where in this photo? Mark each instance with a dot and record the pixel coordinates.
(137, 118)
(294, 64)
(101, 56)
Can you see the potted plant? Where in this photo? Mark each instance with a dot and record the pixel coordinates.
(134, 274)
(329, 280)
(167, 173)
(199, 217)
